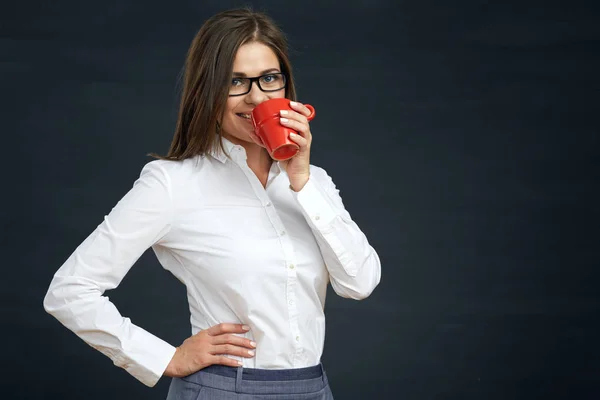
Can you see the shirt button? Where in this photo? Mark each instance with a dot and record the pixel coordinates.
(317, 218)
(297, 338)
(268, 204)
(292, 266)
(291, 303)
(282, 233)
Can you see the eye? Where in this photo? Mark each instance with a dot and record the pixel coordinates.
(269, 78)
(236, 82)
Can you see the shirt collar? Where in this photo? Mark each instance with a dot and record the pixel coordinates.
(217, 151)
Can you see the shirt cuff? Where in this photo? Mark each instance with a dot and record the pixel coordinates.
(148, 357)
(316, 206)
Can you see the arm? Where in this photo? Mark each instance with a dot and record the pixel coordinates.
(353, 265)
(75, 296)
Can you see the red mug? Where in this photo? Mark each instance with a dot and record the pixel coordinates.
(276, 137)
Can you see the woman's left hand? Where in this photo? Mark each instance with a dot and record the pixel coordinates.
(297, 167)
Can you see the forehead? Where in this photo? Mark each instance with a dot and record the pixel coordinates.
(253, 58)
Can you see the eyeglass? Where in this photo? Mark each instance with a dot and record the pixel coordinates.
(267, 83)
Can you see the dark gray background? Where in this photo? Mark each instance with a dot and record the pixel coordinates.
(463, 136)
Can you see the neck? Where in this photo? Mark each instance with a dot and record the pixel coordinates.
(258, 158)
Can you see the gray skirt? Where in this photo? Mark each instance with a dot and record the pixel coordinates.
(220, 382)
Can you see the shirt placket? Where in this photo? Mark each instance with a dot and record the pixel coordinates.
(289, 262)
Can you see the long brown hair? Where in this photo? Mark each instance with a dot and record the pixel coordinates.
(208, 73)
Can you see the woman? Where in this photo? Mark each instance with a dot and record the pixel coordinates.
(255, 241)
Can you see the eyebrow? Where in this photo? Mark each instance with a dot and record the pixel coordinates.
(266, 71)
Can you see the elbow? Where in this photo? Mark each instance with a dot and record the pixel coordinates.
(49, 300)
(52, 300)
(66, 292)
(356, 291)
(47, 303)
(352, 291)
(360, 286)
(367, 290)
(360, 295)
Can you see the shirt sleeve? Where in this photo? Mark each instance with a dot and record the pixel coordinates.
(354, 266)
(75, 296)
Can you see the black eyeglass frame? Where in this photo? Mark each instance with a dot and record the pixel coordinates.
(257, 80)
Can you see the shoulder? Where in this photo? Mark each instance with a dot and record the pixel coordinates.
(174, 172)
(181, 179)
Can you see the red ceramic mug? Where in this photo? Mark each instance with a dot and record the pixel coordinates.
(276, 137)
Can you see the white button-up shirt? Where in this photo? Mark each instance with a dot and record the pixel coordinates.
(246, 254)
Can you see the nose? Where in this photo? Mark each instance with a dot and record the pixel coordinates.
(255, 95)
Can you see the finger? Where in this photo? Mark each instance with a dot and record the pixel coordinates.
(232, 350)
(299, 127)
(301, 108)
(234, 340)
(299, 140)
(227, 328)
(224, 360)
(293, 115)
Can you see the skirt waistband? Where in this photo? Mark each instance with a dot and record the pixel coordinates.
(256, 374)
(261, 381)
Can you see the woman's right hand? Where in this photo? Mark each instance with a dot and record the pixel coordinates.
(209, 347)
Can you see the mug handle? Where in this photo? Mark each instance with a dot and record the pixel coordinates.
(312, 112)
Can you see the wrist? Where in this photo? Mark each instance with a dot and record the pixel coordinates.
(298, 183)
(172, 370)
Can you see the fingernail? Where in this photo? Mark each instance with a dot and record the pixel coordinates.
(283, 112)
(293, 103)
(284, 120)
(253, 344)
(292, 134)
(245, 327)
(251, 352)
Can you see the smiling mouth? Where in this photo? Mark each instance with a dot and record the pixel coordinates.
(244, 116)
